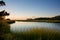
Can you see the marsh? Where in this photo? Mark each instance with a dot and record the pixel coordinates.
(30, 31)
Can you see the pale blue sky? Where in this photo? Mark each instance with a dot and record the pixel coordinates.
(21, 9)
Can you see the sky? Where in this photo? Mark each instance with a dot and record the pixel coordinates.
(23, 9)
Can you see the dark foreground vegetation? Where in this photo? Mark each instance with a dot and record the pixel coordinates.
(33, 34)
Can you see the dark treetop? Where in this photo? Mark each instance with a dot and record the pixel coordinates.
(3, 13)
(2, 3)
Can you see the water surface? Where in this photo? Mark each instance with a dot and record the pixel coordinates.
(24, 26)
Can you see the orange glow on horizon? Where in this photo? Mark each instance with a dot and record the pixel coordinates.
(21, 17)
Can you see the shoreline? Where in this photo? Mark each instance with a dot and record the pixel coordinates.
(50, 21)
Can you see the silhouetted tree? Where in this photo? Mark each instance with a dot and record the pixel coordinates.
(3, 13)
(41, 18)
(2, 3)
(52, 18)
(56, 17)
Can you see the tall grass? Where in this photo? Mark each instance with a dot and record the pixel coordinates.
(4, 30)
(38, 34)
(33, 34)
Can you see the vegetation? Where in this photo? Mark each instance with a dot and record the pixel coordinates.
(52, 18)
(2, 3)
(33, 34)
(4, 29)
(55, 19)
(38, 34)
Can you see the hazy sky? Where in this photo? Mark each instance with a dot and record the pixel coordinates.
(21, 9)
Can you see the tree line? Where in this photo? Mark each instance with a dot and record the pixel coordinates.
(47, 18)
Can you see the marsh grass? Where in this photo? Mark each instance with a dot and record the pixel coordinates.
(38, 34)
(33, 34)
(4, 29)
(50, 21)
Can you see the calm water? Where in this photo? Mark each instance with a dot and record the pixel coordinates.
(24, 26)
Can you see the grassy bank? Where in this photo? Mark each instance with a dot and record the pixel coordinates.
(8, 21)
(38, 34)
(51, 21)
(4, 29)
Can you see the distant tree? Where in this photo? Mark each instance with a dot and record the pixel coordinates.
(52, 18)
(41, 19)
(29, 19)
(56, 17)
